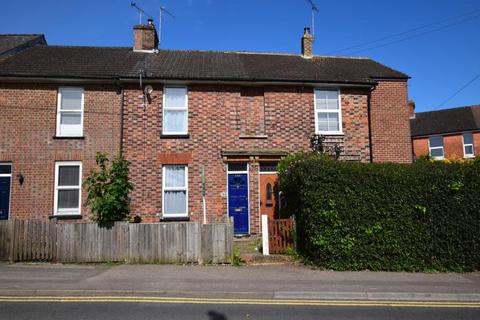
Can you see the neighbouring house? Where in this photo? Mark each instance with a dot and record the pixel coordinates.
(447, 134)
(201, 129)
(11, 44)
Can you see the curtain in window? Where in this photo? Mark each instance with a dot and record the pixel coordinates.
(71, 99)
(175, 97)
(174, 176)
(175, 121)
(175, 202)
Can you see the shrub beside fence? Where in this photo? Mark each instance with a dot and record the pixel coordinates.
(353, 216)
(186, 242)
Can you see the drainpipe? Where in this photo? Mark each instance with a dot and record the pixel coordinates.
(121, 121)
(369, 112)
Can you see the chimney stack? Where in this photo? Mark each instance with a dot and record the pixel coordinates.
(411, 107)
(307, 43)
(145, 37)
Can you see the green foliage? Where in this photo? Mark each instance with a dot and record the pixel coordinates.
(107, 189)
(236, 257)
(354, 216)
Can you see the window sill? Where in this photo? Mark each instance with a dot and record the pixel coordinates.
(330, 133)
(260, 136)
(66, 217)
(171, 219)
(175, 136)
(69, 138)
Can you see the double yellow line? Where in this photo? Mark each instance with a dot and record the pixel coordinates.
(171, 300)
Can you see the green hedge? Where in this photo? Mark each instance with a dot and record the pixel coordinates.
(355, 216)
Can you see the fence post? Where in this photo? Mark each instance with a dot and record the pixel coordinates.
(12, 241)
(265, 244)
(294, 231)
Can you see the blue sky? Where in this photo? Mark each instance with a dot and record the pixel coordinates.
(440, 62)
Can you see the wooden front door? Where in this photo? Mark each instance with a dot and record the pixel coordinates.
(269, 195)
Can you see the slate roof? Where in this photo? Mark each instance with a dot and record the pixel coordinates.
(12, 42)
(445, 121)
(109, 62)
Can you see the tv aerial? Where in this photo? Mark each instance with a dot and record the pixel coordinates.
(160, 21)
(314, 9)
(141, 12)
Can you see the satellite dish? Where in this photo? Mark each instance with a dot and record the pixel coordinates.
(148, 90)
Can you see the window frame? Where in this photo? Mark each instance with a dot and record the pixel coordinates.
(339, 111)
(67, 212)
(442, 147)
(165, 188)
(60, 111)
(465, 155)
(164, 107)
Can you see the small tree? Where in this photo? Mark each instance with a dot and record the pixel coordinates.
(107, 189)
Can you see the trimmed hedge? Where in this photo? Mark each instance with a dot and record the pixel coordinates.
(355, 216)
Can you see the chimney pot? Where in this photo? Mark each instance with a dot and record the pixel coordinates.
(307, 43)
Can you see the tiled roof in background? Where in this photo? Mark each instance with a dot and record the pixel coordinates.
(9, 43)
(446, 121)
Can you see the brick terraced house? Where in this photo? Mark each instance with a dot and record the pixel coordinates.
(178, 116)
(447, 134)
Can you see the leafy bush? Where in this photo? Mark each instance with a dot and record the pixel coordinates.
(108, 188)
(354, 216)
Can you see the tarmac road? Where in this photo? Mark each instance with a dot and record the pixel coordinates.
(155, 311)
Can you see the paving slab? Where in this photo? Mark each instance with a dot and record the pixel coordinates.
(265, 281)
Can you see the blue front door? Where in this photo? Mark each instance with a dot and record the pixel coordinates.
(4, 197)
(238, 201)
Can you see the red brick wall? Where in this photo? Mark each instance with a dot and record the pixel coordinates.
(27, 127)
(218, 118)
(390, 121)
(453, 146)
(420, 147)
(476, 143)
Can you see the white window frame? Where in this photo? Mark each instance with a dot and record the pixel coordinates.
(339, 111)
(430, 148)
(165, 188)
(184, 108)
(60, 111)
(65, 212)
(466, 155)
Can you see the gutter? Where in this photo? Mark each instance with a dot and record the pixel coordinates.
(102, 80)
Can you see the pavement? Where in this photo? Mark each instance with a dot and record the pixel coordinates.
(285, 282)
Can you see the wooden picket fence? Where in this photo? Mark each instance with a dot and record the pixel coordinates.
(182, 242)
(280, 235)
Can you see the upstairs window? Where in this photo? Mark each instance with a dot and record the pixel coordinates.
(436, 147)
(175, 111)
(70, 112)
(67, 187)
(175, 191)
(468, 150)
(328, 114)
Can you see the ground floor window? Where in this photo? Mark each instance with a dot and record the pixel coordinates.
(468, 151)
(68, 188)
(175, 191)
(436, 147)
